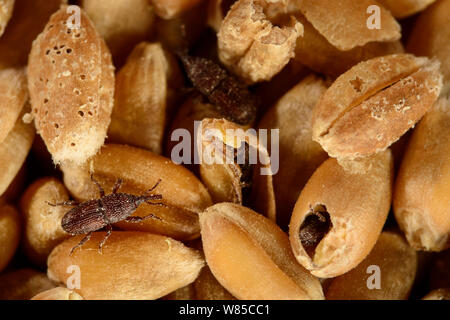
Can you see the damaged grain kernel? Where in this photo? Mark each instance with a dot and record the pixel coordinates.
(329, 231)
(226, 93)
(252, 45)
(314, 228)
(54, 97)
(374, 103)
(230, 168)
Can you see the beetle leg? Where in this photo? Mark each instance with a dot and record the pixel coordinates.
(108, 233)
(65, 203)
(157, 203)
(83, 241)
(135, 219)
(117, 185)
(100, 189)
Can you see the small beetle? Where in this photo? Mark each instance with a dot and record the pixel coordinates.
(93, 215)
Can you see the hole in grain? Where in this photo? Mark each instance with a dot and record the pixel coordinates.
(77, 92)
(91, 100)
(69, 51)
(62, 46)
(314, 228)
(81, 113)
(56, 125)
(53, 61)
(90, 113)
(72, 144)
(83, 77)
(47, 52)
(45, 100)
(58, 52)
(77, 35)
(69, 31)
(357, 84)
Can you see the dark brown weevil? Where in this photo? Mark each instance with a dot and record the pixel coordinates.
(93, 215)
(226, 93)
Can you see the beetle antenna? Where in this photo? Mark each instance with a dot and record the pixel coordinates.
(152, 188)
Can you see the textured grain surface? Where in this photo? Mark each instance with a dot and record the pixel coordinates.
(398, 265)
(298, 154)
(405, 8)
(23, 284)
(13, 95)
(42, 222)
(244, 179)
(374, 103)
(316, 52)
(422, 198)
(169, 9)
(144, 96)
(357, 205)
(251, 257)
(344, 22)
(6, 10)
(133, 265)
(14, 150)
(252, 45)
(122, 23)
(58, 293)
(71, 83)
(430, 35)
(28, 20)
(10, 230)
